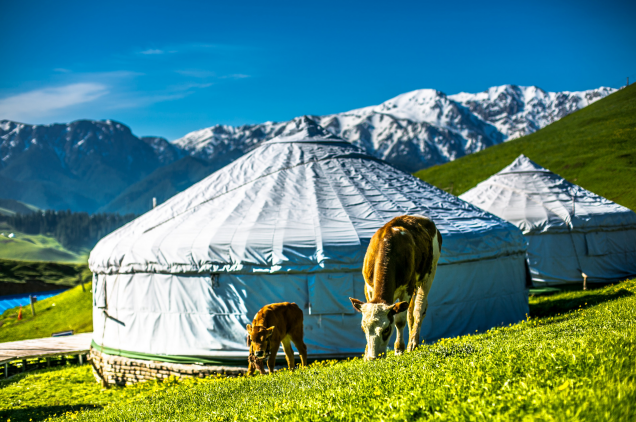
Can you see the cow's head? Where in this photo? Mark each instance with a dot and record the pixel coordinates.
(377, 323)
(258, 340)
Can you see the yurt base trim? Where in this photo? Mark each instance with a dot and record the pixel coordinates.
(186, 360)
(120, 370)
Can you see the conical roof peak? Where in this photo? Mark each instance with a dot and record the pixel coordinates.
(304, 129)
(523, 164)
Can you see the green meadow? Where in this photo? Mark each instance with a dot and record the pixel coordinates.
(594, 147)
(576, 362)
(36, 247)
(71, 310)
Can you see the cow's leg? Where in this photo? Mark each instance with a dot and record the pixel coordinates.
(409, 315)
(251, 367)
(400, 323)
(289, 353)
(419, 308)
(273, 351)
(302, 349)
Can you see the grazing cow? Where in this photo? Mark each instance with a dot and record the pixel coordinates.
(400, 264)
(273, 324)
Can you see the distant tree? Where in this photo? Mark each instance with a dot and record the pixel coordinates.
(74, 230)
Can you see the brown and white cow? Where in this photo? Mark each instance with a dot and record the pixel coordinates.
(273, 324)
(399, 265)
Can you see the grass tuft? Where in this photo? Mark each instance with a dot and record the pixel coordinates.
(70, 310)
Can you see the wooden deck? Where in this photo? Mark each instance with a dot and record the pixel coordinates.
(78, 344)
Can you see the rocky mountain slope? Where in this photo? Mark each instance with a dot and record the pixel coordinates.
(417, 129)
(81, 165)
(101, 166)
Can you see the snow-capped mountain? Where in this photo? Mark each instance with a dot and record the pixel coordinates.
(102, 166)
(521, 110)
(417, 129)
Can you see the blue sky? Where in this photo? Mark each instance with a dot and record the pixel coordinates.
(168, 68)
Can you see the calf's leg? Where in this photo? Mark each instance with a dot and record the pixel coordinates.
(273, 351)
(302, 349)
(289, 353)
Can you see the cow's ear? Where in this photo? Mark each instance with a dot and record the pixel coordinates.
(249, 328)
(357, 305)
(399, 307)
(270, 331)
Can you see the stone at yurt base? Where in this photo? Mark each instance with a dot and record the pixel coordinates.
(117, 370)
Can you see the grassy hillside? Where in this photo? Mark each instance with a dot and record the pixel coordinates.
(71, 310)
(35, 247)
(572, 364)
(594, 147)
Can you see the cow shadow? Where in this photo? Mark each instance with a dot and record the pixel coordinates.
(561, 306)
(41, 413)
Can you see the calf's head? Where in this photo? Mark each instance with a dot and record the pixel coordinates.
(258, 340)
(378, 321)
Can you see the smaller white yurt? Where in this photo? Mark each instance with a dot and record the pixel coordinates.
(570, 231)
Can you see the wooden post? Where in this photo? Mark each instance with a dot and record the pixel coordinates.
(6, 370)
(584, 281)
(32, 307)
(23, 365)
(81, 359)
(48, 362)
(154, 202)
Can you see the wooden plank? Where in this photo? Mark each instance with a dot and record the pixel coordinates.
(45, 347)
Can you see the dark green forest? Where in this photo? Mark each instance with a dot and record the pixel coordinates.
(74, 230)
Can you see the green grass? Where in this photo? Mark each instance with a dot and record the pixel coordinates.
(71, 310)
(29, 247)
(594, 147)
(46, 393)
(575, 363)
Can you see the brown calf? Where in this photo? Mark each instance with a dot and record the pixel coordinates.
(273, 324)
(401, 260)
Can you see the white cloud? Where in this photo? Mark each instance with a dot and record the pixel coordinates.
(42, 102)
(152, 51)
(197, 73)
(235, 76)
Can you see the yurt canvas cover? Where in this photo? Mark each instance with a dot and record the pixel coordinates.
(570, 230)
(291, 221)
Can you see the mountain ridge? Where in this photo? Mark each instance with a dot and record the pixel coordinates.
(93, 166)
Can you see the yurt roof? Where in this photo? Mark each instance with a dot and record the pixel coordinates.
(302, 203)
(537, 200)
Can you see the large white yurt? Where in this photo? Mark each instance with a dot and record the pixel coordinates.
(570, 231)
(291, 221)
